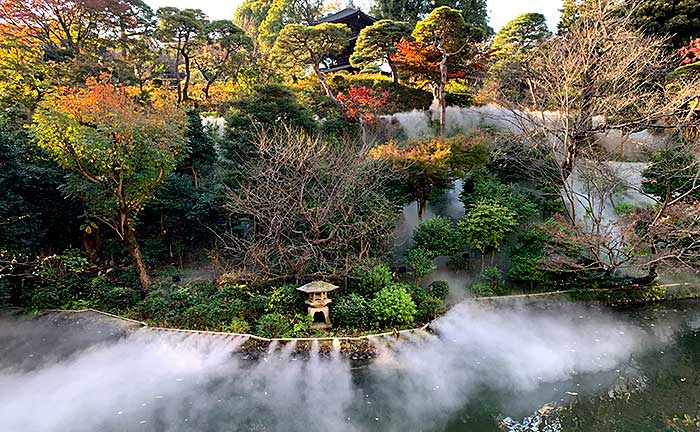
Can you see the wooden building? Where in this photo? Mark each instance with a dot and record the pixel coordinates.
(356, 20)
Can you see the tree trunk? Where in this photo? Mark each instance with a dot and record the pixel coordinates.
(135, 252)
(422, 203)
(206, 89)
(325, 86)
(177, 73)
(394, 72)
(195, 177)
(493, 256)
(441, 95)
(186, 85)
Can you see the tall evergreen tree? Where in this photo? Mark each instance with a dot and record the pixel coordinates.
(678, 19)
(569, 14)
(474, 12)
(399, 10)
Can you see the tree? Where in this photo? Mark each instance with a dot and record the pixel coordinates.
(25, 77)
(409, 11)
(116, 150)
(362, 105)
(570, 12)
(249, 15)
(283, 12)
(200, 151)
(183, 29)
(308, 209)
(65, 28)
(520, 35)
(690, 54)
(438, 237)
(378, 43)
(474, 12)
(266, 107)
(426, 166)
(445, 31)
(298, 45)
(485, 226)
(679, 20)
(585, 72)
(223, 51)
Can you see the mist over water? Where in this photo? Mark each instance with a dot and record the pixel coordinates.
(153, 381)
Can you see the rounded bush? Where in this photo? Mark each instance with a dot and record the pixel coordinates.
(393, 305)
(374, 280)
(428, 307)
(419, 263)
(238, 325)
(273, 325)
(351, 311)
(286, 300)
(439, 289)
(256, 306)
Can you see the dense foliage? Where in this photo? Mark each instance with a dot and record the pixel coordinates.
(194, 173)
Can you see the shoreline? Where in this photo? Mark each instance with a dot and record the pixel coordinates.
(364, 347)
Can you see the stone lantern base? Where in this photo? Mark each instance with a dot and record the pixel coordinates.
(326, 316)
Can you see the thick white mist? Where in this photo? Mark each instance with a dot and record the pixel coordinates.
(169, 382)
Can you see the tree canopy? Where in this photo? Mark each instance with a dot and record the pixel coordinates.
(299, 45)
(117, 150)
(679, 20)
(520, 35)
(378, 43)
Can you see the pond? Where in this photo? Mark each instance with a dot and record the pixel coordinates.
(549, 367)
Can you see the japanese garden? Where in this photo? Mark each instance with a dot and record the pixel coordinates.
(320, 215)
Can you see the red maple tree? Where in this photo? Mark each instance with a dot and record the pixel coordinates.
(363, 104)
(690, 53)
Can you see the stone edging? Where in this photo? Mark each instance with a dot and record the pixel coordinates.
(244, 335)
(338, 339)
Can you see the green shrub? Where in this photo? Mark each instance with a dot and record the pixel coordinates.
(526, 256)
(256, 306)
(351, 311)
(439, 289)
(60, 281)
(199, 305)
(393, 306)
(301, 326)
(419, 263)
(437, 236)
(201, 316)
(492, 276)
(482, 289)
(238, 325)
(373, 280)
(153, 250)
(273, 325)
(286, 300)
(428, 307)
(115, 291)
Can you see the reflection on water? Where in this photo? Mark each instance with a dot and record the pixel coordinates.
(559, 368)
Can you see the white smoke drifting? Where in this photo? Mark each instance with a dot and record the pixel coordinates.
(149, 381)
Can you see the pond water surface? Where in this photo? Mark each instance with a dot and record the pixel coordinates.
(521, 368)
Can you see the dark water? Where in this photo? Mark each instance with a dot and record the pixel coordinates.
(562, 368)
(645, 393)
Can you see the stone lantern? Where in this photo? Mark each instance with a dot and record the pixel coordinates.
(318, 301)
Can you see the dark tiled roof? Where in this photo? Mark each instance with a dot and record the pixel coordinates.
(344, 14)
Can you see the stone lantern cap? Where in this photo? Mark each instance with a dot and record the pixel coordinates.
(317, 287)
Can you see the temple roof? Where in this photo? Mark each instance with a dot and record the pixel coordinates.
(317, 287)
(344, 15)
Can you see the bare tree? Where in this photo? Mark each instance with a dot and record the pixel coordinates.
(311, 209)
(600, 74)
